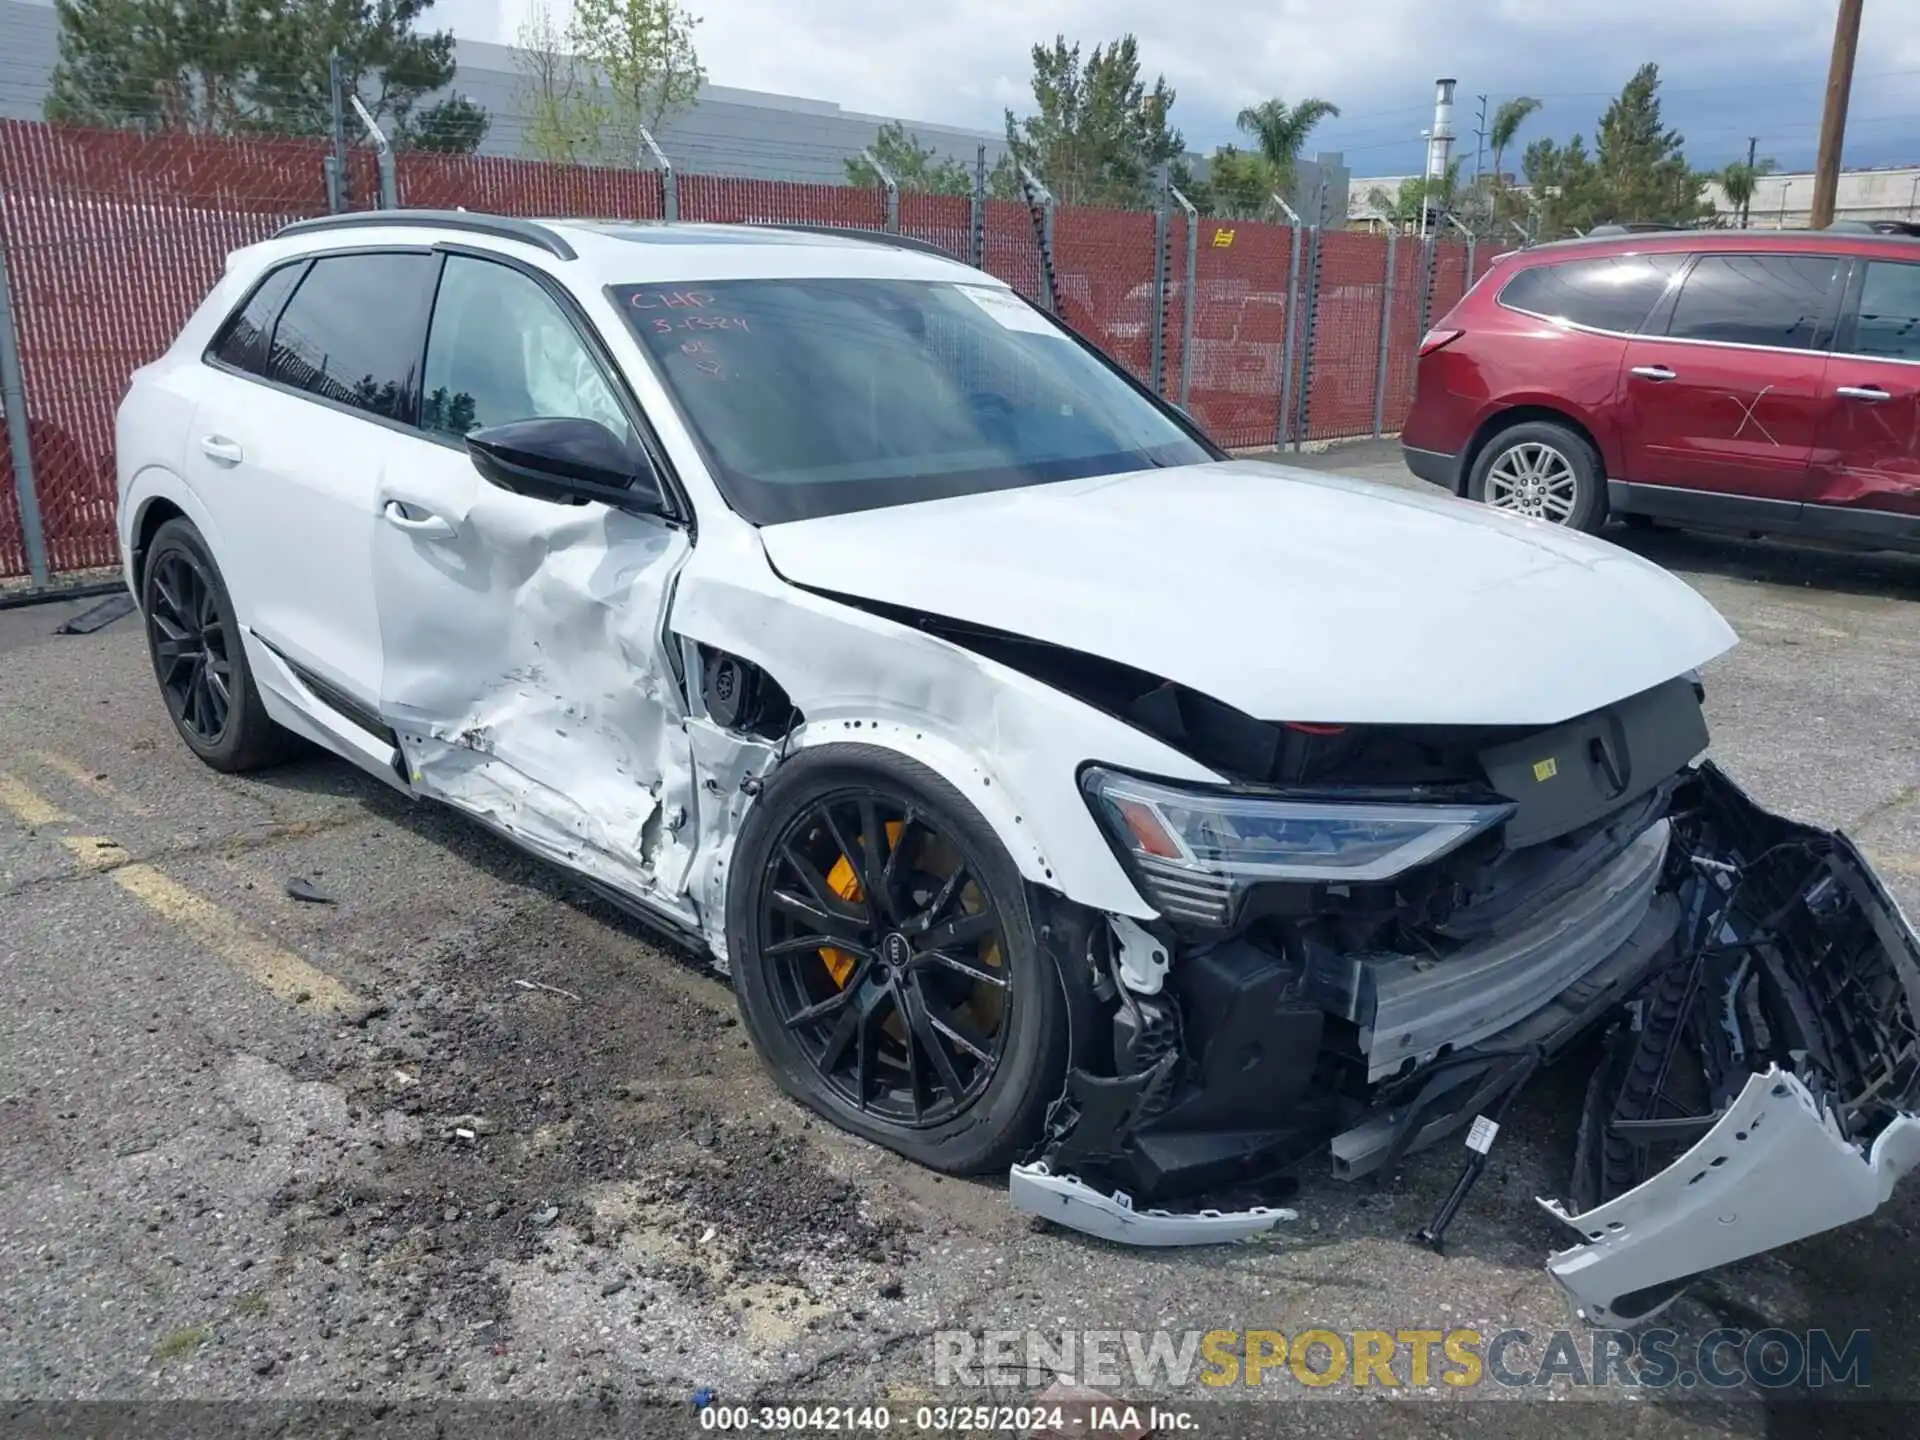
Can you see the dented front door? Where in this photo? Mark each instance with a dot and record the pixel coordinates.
(1728, 397)
(523, 668)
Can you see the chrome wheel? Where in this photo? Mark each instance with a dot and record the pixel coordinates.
(1534, 479)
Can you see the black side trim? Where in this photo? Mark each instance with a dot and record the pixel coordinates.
(1715, 510)
(501, 227)
(1703, 507)
(333, 697)
(1845, 522)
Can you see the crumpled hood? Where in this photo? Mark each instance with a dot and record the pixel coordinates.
(1288, 594)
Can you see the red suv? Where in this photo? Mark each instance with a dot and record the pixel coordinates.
(1737, 379)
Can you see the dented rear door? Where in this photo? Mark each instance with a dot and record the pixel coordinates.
(1867, 470)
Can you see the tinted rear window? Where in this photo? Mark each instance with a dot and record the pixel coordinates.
(242, 342)
(1611, 292)
(1784, 301)
(354, 330)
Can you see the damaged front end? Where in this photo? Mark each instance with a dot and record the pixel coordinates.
(1749, 979)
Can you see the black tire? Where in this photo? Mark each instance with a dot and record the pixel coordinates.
(1588, 511)
(772, 972)
(232, 736)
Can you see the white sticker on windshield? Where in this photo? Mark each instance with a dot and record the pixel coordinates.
(1009, 309)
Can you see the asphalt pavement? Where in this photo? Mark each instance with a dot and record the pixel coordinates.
(447, 1127)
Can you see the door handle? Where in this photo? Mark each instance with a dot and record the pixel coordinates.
(1653, 372)
(221, 449)
(426, 525)
(1869, 393)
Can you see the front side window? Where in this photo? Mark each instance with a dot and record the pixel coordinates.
(242, 341)
(1780, 301)
(352, 332)
(1613, 292)
(1888, 322)
(500, 349)
(819, 397)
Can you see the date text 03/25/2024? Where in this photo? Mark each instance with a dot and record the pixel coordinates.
(1103, 1417)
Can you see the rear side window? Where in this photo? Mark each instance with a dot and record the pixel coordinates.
(242, 341)
(1782, 301)
(353, 332)
(1611, 292)
(1888, 323)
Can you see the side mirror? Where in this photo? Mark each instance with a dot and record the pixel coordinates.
(568, 461)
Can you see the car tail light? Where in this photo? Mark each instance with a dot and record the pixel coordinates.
(1438, 340)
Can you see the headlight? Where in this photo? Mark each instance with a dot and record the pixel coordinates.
(1194, 851)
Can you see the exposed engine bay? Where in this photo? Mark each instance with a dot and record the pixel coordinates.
(1730, 965)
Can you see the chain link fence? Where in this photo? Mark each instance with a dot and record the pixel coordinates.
(1269, 335)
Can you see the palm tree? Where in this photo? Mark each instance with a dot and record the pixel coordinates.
(1507, 121)
(1737, 183)
(1279, 132)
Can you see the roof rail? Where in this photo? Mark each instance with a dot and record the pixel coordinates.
(502, 227)
(872, 237)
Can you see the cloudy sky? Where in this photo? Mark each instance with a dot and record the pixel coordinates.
(1731, 68)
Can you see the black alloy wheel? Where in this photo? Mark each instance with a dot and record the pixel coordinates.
(190, 646)
(199, 658)
(885, 961)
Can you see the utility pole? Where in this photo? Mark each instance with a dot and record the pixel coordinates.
(1479, 137)
(1833, 123)
(1746, 205)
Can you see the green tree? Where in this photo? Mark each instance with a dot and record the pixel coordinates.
(157, 65)
(1642, 164)
(1098, 133)
(1637, 170)
(228, 67)
(561, 111)
(1566, 186)
(644, 63)
(1279, 132)
(1738, 182)
(393, 66)
(1507, 121)
(913, 166)
(1239, 184)
(455, 126)
(1418, 195)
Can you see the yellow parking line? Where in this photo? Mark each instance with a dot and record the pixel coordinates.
(87, 779)
(216, 928)
(280, 970)
(95, 852)
(31, 809)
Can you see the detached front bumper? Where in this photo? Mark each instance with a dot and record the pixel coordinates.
(1764, 963)
(1775, 1169)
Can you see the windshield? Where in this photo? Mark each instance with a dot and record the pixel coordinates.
(818, 397)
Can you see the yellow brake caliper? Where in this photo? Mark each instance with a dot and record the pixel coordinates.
(844, 881)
